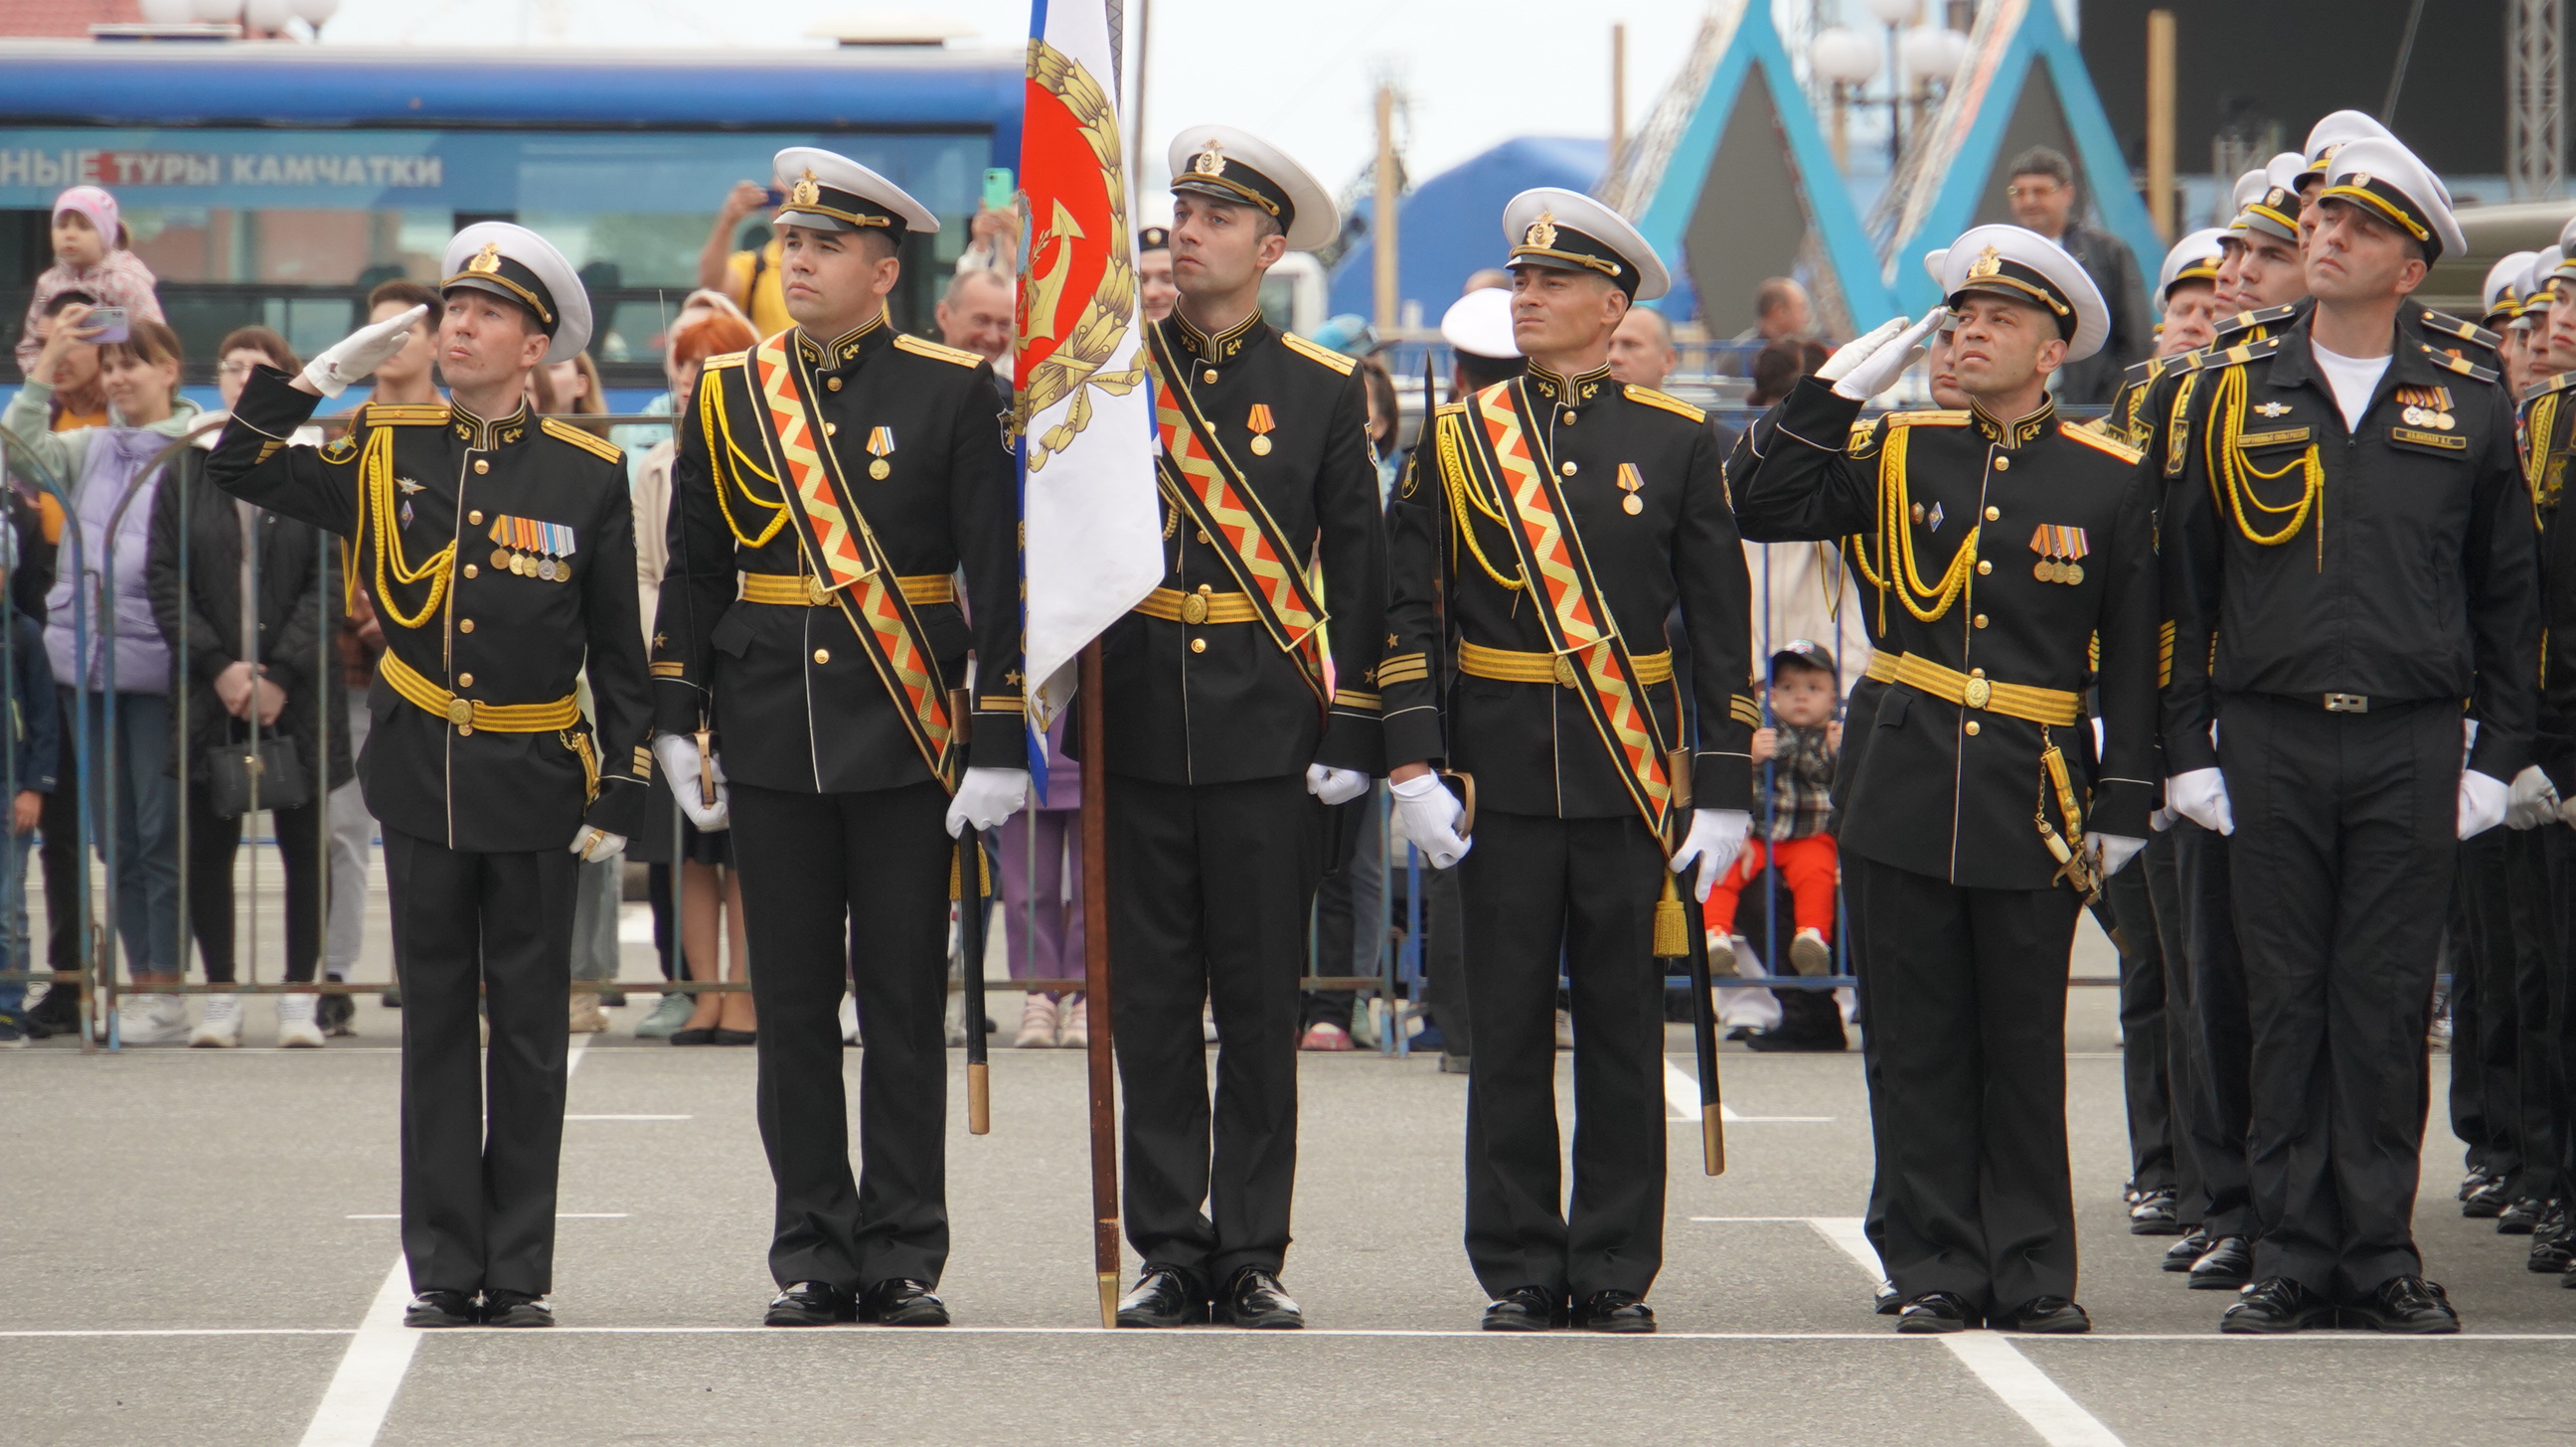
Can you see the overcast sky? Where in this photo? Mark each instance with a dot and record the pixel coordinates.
(1300, 74)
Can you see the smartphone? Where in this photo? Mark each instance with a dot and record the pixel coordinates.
(773, 197)
(107, 324)
(998, 189)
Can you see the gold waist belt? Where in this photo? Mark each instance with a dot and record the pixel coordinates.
(1510, 665)
(1882, 667)
(2054, 706)
(806, 591)
(471, 714)
(1204, 606)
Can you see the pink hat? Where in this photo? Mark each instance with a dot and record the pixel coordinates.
(94, 203)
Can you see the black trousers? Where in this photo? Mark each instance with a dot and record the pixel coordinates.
(1539, 892)
(482, 1131)
(59, 851)
(2146, 1060)
(1350, 906)
(1209, 890)
(2223, 1040)
(2485, 1040)
(212, 843)
(2344, 850)
(2559, 852)
(2537, 1118)
(2186, 1072)
(850, 888)
(1968, 1011)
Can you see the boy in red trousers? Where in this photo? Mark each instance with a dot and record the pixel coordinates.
(1795, 756)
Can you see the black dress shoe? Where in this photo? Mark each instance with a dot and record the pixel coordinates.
(2045, 1316)
(2522, 1217)
(1161, 1297)
(2225, 1266)
(2410, 1306)
(723, 1036)
(1885, 1301)
(1525, 1308)
(439, 1308)
(1935, 1311)
(1255, 1301)
(902, 1301)
(2276, 1306)
(2179, 1256)
(1614, 1311)
(2486, 1202)
(516, 1308)
(1775, 1042)
(809, 1303)
(2158, 1212)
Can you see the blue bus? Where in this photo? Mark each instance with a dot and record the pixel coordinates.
(276, 183)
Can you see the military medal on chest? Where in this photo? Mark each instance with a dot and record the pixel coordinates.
(1262, 426)
(880, 447)
(2427, 407)
(1631, 483)
(2059, 547)
(533, 549)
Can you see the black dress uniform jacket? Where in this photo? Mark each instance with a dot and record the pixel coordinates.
(2417, 580)
(1532, 747)
(494, 636)
(1946, 790)
(2548, 440)
(1222, 703)
(789, 689)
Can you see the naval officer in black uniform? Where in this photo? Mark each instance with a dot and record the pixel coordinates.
(2345, 461)
(2010, 540)
(1565, 715)
(500, 551)
(1241, 698)
(832, 482)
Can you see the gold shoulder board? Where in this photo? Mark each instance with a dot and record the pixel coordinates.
(2467, 331)
(2100, 442)
(1314, 352)
(920, 348)
(562, 431)
(382, 414)
(728, 359)
(2461, 365)
(1675, 405)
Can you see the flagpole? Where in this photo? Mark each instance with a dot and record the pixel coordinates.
(1095, 981)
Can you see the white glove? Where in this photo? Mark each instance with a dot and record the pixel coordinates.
(986, 797)
(2117, 850)
(2200, 796)
(1716, 837)
(1875, 373)
(678, 756)
(1427, 816)
(1849, 354)
(596, 843)
(2483, 800)
(2161, 820)
(1335, 786)
(355, 357)
(2534, 801)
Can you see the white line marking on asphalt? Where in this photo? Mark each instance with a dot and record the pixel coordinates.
(630, 1117)
(1681, 1100)
(1212, 1334)
(371, 1372)
(2012, 1377)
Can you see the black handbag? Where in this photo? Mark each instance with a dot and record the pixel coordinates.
(277, 765)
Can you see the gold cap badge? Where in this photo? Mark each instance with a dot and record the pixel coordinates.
(1542, 232)
(1210, 162)
(1989, 262)
(806, 191)
(486, 262)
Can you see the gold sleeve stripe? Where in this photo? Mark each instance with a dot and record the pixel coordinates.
(1317, 352)
(643, 762)
(1403, 668)
(670, 670)
(1744, 711)
(1002, 703)
(1353, 698)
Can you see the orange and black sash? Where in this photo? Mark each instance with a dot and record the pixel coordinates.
(845, 554)
(1592, 658)
(1200, 479)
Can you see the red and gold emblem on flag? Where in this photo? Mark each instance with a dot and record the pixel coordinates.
(1078, 291)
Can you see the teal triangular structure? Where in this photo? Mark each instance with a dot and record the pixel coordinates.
(1726, 206)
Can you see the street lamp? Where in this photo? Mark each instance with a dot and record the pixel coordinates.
(1918, 60)
(1845, 59)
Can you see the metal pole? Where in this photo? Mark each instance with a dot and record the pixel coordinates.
(1618, 94)
(1095, 981)
(2160, 121)
(1383, 224)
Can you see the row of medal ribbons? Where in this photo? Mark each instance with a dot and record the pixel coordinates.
(533, 549)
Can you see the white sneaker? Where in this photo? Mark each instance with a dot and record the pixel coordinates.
(1809, 954)
(1721, 953)
(220, 1029)
(296, 1028)
(151, 1019)
(1073, 1023)
(1037, 1023)
(585, 1017)
(849, 1018)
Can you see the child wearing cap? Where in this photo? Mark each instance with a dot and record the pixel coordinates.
(1793, 824)
(90, 255)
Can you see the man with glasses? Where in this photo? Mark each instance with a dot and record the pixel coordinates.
(2043, 197)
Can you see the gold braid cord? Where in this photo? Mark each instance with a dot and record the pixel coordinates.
(1896, 539)
(2232, 475)
(376, 500)
(730, 461)
(2543, 465)
(1457, 479)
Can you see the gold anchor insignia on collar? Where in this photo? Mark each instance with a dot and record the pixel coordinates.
(1542, 232)
(806, 191)
(2274, 409)
(486, 262)
(1211, 160)
(1989, 262)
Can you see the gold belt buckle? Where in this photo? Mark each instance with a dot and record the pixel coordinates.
(1194, 608)
(1977, 693)
(460, 711)
(1563, 668)
(815, 593)
(2347, 703)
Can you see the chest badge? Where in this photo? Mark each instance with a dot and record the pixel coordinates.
(2058, 546)
(1931, 519)
(1632, 483)
(533, 549)
(1262, 425)
(2273, 409)
(2427, 407)
(880, 447)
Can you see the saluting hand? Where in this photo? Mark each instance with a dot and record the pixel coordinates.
(355, 357)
